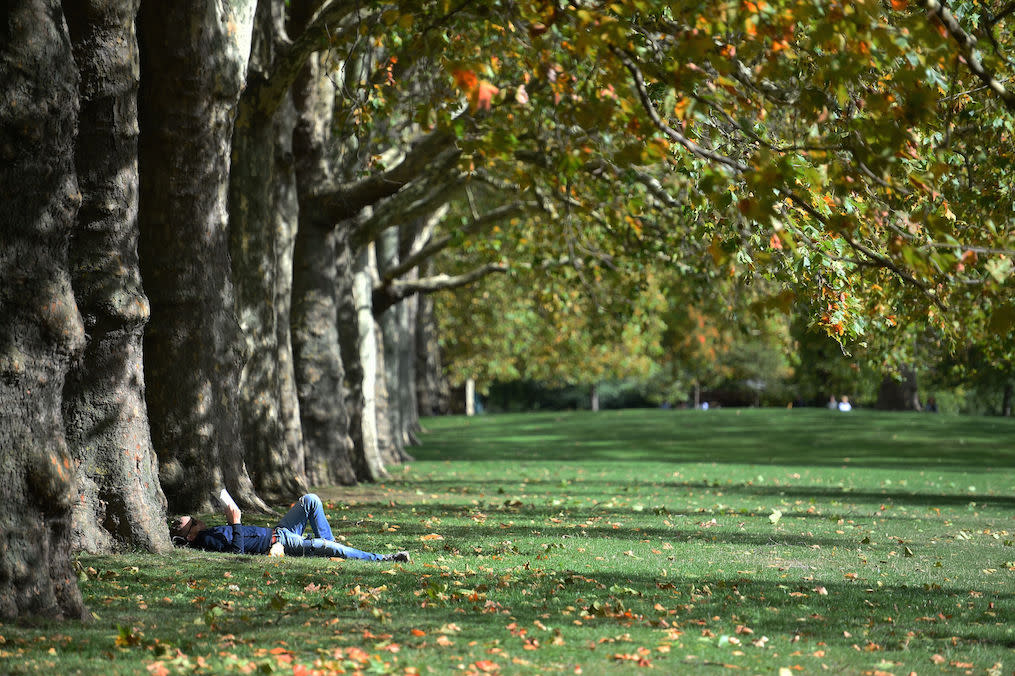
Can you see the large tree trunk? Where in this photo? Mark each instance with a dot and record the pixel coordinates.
(387, 444)
(254, 248)
(318, 249)
(433, 395)
(407, 371)
(120, 503)
(194, 56)
(367, 455)
(286, 221)
(389, 326)
(41, 329)
(398, 344)
(319, 368)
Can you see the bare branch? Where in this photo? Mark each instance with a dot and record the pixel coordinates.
(433, 248)
(416, 201)
(337, 201)
(389, 294)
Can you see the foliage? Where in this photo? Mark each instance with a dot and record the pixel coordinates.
(761, 539)
(853, 154)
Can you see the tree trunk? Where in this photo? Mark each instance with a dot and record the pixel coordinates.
(195, 53)
(1006, 400)
(120, 504)
(286, 221)
(41, 329)
(387, 443)
(407, 366)
(254, 251)
(899, 395)
(389, 330)
(432, 392)
(367, 455)
(319, 247)
(318, 365)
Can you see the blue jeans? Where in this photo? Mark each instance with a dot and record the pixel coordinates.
(309, 510)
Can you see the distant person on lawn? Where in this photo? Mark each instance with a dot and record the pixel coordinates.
(286, 537)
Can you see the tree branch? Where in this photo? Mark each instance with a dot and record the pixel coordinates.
(967, 42)
(436, 246)
(389, 294)
(415, 201)
(338, 201)
(873, 256)
(673, 134)
(332, 23)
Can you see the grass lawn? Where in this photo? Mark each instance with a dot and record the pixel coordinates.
(754, 541)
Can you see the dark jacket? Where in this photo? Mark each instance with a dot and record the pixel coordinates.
(238, 539)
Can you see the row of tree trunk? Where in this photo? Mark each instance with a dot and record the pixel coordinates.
(187, 277)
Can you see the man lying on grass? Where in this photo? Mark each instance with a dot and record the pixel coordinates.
(285, 538)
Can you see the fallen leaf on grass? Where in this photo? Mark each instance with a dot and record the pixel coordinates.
(157, 669)
(431, 536)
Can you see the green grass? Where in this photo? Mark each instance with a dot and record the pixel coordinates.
(742, 541)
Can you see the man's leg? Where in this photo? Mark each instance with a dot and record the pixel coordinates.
(307, 509)
(319, 547)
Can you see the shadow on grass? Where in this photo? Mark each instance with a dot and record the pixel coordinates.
(796, 437)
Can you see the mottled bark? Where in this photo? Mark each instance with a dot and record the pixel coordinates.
(119, 503)
(254, 249)
(397, 345)
(286, 221)
(319, 244)
(407, 373)
(389, 327)
(387, 444)
(367, 453)
(41, 329)
(319, 369)
(433, 394)
(194, 55)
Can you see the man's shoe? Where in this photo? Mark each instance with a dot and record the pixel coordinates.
(402, 557)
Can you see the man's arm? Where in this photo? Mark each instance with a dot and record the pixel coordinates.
(233, 516)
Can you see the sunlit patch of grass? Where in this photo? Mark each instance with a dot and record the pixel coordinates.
(760, 540)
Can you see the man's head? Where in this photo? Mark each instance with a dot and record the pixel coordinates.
(185, 529)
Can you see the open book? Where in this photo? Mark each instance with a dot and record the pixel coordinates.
(223, 500)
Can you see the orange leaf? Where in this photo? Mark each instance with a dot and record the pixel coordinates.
(487, 666)
(899, 5)
(432, 536)
(158, 669)
(465, 79)
(417, 632)
(482, 96)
